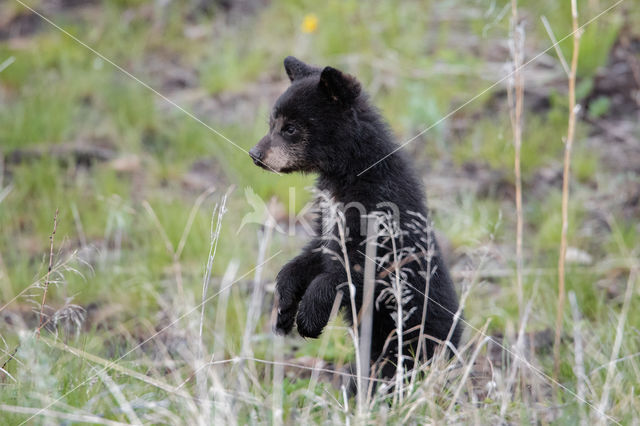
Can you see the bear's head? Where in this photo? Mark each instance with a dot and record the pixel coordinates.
(309, 121)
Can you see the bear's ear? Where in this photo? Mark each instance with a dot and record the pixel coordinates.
(340, 87)
(296, 69)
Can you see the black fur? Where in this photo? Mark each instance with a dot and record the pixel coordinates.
(324, 123)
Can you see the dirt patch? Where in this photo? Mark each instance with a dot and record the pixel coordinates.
(228, 108)
(489, 368)
(83, 154)
(21, 24)
(619, 80)
(204, 174)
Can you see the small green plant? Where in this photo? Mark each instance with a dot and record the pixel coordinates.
(599, 107)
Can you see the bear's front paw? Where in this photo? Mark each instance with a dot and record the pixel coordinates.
(286, 316)
(311, 320)
(308, 328)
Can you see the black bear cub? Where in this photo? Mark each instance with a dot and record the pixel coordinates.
(325, 124)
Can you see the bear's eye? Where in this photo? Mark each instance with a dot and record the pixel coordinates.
(289, 130)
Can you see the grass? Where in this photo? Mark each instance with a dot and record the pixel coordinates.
(419, 62)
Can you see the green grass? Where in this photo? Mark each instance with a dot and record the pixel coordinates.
(416, 62)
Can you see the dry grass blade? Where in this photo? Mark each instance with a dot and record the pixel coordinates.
(533, 368)
(176, 253)
(6, 373)
(72, 417)
(552, 36)
(109, 365)
(366, 311)
(6, 64)
(579, 356)
(565, 188)
(113, 363)
(47, 279)
(516, 98)
(255, 305)
(604, 400)
(123, 403)
(214, 237)
(278, 376)
(353, 331)
(4, 192)
(63, 265)
(221, 310)
(137, 358)
(469, 366)
(515, 367)
(315, 373)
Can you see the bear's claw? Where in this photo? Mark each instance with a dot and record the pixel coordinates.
(284, 321)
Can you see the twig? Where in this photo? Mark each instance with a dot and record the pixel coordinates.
(34, 284)
(3, 369)
(565, 188)
(515, 113)
(397, 265)
(46, 281)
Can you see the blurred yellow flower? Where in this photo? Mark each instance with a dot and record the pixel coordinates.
(309, 23)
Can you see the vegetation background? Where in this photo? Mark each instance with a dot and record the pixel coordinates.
(116, 117)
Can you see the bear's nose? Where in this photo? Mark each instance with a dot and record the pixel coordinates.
(256, 155)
